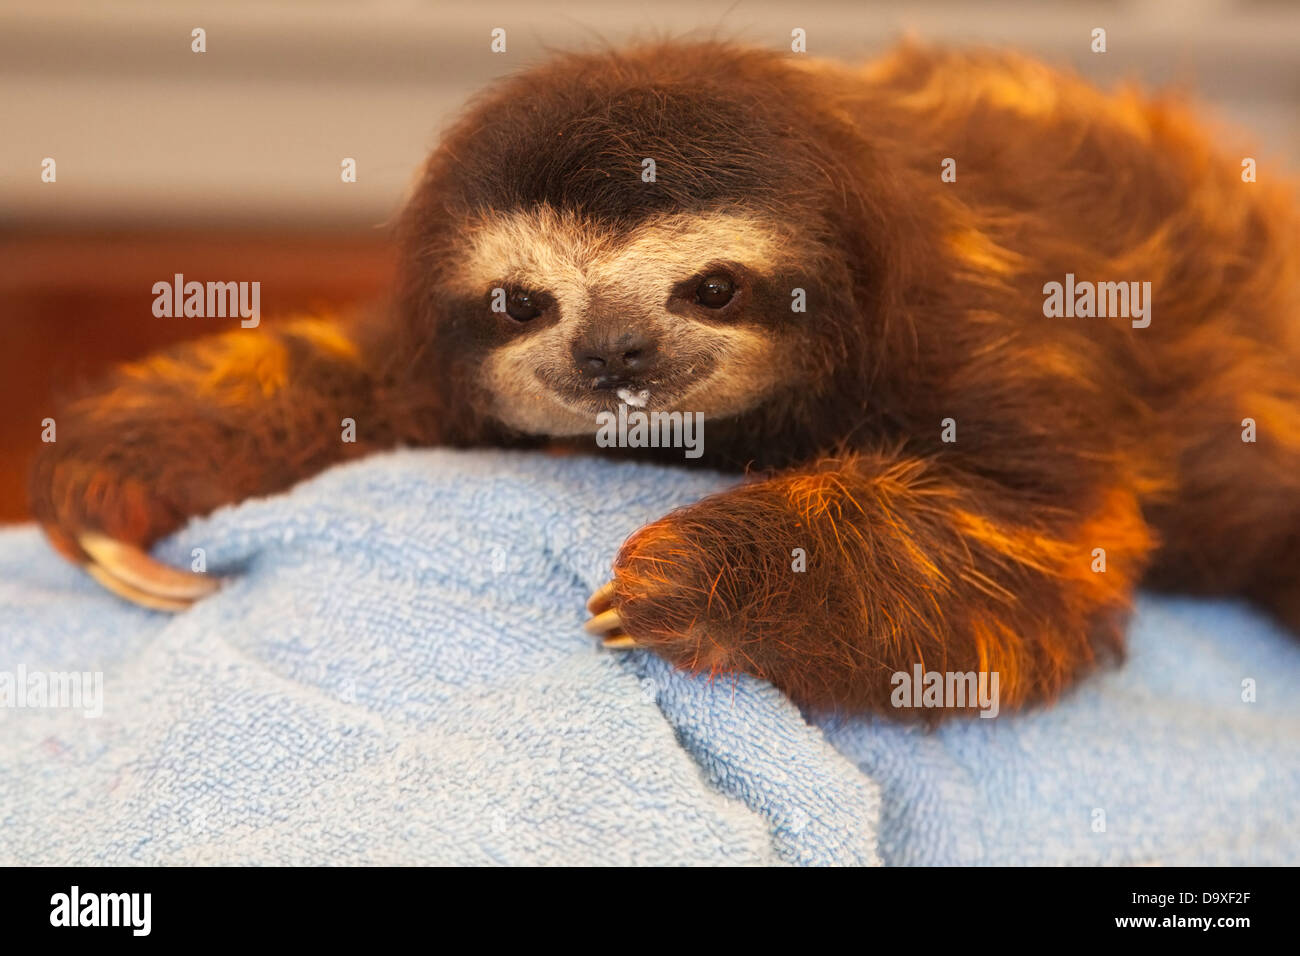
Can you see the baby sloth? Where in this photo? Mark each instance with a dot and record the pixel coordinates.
(991, 348)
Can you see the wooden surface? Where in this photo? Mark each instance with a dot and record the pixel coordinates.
(72, 305)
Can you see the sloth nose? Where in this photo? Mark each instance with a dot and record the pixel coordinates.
(614, 361)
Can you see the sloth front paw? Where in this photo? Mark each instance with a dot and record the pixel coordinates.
(96, 516)
(684, 587)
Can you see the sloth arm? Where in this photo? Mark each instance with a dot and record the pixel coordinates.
(211, 422)
(909, 561)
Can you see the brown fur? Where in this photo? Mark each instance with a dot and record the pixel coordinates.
(925, 303)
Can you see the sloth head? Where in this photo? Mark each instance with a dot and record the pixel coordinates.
(650, 227)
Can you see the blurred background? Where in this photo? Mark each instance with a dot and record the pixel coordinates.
(225, 165)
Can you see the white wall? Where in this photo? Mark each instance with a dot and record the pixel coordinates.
(253, 130)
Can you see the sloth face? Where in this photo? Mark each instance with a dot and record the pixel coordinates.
(683, 312)
(557, 280)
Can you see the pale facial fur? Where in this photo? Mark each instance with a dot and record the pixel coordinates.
(716, 367)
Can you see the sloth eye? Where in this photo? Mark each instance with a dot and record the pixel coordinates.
(715, 291)
(522, 306)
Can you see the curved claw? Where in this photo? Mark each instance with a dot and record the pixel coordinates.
(602, 599)
(606, 621)
(135, 595)
(130, 573)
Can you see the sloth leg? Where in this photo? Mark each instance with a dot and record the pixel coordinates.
(829, 581)
(181, 433)
(1233, 529)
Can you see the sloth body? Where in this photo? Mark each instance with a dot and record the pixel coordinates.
(976, 485)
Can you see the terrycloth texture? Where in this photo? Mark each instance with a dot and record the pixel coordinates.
(397, 675)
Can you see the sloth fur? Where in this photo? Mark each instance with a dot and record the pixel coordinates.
(1075, 437)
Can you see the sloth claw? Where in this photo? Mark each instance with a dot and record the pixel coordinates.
(135, 595)
(606, 621)
(130, 573)
(602, 599)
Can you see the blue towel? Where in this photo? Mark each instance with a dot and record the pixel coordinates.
(396, 673)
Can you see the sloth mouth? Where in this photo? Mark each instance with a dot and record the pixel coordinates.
(607, 392)
(621, 385)
(665, 389)
(633, 395)
(636, 398)
(628, 390)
